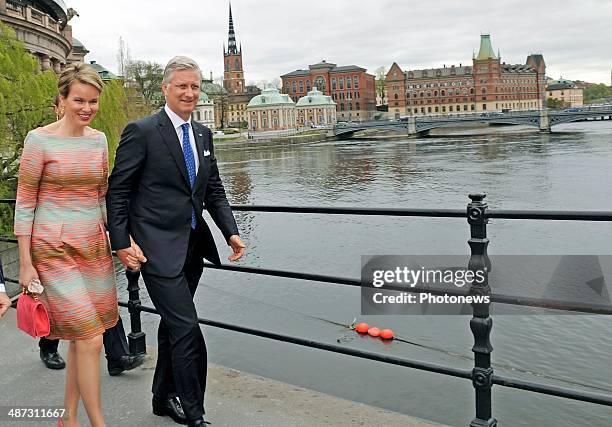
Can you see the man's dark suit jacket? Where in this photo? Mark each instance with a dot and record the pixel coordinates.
(149, 196)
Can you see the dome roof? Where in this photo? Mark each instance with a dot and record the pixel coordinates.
(314, 98)
(270, 96)
(211, 88)
(203, 98)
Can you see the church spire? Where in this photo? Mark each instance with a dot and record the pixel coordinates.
(231, 37)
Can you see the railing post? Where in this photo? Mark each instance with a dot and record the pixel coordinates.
(136, 338)
(481, 323)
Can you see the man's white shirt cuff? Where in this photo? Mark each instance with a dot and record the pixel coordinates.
(2, 288)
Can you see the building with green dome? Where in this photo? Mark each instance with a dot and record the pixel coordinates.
(204, 111)
(271, 110)
(564, 92)
(316, 109)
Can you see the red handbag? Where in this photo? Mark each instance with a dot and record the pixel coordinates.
(32, 316)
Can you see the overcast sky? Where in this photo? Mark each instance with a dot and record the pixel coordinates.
(281, 36)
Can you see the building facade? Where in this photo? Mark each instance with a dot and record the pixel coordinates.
(204, 111)
(566, 92)
(270, 111)
(485, 85)
(350, 87)
(238, 93)
(315, 109)
(43, 26)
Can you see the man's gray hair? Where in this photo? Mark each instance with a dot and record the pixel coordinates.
(179, 63)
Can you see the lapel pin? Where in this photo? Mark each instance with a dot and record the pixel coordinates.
(199, 134)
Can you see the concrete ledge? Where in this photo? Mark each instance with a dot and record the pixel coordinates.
(233, 398)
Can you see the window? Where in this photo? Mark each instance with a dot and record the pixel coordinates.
(429, 109)
(341, 81)
(357, 106)
(349, 83)
(236, 64)
(342, 106)
(320, 84)
(464, 107)
(293, 86)
(484, 106)
(301, 83)
(395, 96)
(307, 85)
(450, 108)
(356, 82)
(333, 84)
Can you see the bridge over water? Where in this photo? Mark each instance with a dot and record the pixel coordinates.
(421, 125)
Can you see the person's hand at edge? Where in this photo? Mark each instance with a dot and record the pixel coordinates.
(238, 247)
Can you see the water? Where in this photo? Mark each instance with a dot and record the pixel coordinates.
(516, 168)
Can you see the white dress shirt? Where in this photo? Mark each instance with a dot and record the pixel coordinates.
(177, 122)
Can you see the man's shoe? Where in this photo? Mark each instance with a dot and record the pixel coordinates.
(52, 360)
(197, 423)
(126, 363)
(170, 407)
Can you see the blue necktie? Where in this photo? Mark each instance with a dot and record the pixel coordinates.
(190, 163)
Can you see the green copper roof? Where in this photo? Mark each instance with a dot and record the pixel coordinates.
(203, 98)
(314, 98)
(486, 50)
(270, 96)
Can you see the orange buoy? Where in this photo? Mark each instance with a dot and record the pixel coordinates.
(373, 332)
(362, 328)
(386, 334)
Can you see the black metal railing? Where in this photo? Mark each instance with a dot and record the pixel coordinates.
(482, 375)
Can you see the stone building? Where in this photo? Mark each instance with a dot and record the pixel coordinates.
(204, 111)
(487, 84)
(218, 95)
(315, 109)
(565, 91)
(43, 26)
(350, 87)
(271, 110)
(238, 93)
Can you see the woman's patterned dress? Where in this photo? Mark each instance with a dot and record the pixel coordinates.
(60, 203)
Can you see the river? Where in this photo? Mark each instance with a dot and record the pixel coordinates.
(517, 168)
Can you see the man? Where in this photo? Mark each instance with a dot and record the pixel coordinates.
(118, 356)
(165, 173)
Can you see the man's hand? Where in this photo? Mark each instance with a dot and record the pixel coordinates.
(131, 257)
(237, 246)
(5, 303)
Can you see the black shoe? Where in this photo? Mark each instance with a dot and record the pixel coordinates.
(52, 360)
(197, 423)
(126, 363)
(171, 407)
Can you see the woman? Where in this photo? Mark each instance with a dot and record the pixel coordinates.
(60, 219)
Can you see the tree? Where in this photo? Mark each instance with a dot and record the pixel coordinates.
(381, 90)
(596, 93)
(146, 78)
(112, 115)
(123, 57)
(555, 104)
(26, 100)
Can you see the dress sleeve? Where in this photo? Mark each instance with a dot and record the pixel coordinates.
(30, 172)
(103, 188)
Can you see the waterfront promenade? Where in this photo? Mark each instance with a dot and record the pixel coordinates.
(233, 398)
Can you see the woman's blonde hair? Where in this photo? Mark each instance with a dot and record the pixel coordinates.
(78, 72)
